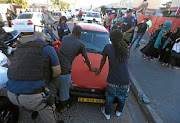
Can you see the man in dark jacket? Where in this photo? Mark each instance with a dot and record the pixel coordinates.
(34, 66)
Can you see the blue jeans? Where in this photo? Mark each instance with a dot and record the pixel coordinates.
(111, 93)
(139, 37)
(50, 33)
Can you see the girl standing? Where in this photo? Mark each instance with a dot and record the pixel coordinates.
(118, 79)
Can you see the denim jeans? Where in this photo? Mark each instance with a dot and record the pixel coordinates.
(139, 37)
(50, 33)
(111, 93)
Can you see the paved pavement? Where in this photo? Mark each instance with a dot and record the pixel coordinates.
(160, 84)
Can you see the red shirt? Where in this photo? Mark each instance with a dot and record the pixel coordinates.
(112, 16)
(80, 13)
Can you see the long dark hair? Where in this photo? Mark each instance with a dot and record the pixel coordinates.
(120, 46)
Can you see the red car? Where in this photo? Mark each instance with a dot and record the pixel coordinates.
(86, 86)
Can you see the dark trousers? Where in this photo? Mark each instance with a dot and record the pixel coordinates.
(111, 93)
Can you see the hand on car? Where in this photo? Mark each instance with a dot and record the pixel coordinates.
(93, 69)
(98, 72)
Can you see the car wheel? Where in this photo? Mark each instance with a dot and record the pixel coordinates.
(9, 113)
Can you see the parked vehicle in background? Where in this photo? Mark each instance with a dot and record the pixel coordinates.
(58, 14)
(25, 22)
(84, 15)
(68, 14)
(74, 12)
(92, 15)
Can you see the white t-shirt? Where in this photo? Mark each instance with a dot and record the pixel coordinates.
(176, 47)
(74, 20)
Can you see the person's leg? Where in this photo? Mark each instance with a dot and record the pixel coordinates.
(109, 100)
(121, 94)
(135, 38)
(139, 40)
(132, 35)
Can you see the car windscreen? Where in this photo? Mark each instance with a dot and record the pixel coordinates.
(94, 41)
(91, 14)
(25, 16)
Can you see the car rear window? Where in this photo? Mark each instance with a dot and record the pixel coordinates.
(94, 41)
(25, 16)
(91, 14)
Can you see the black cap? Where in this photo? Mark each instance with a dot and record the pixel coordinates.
(63, 18)
(129, 10)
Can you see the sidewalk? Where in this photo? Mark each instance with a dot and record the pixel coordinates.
(160, 84)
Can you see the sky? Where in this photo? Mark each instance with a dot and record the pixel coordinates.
(97, 3)
(94, 3)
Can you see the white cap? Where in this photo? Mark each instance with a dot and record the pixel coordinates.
(113, 11)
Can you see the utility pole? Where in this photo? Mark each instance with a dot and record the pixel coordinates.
(59, 4)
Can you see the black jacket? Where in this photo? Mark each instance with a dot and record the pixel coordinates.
(2, 32)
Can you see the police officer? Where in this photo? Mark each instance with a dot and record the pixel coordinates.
(63, 28)
(129, 23)
(34, 65)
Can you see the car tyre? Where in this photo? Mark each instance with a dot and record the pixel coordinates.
(9, 113)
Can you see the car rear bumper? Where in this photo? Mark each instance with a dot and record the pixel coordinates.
(87, 93)
(24, 28)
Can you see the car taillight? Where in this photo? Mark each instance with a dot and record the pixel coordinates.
(12, 23)
(30, 22)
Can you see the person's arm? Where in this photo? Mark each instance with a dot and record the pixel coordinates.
(89, 64)
(131, 29)
(55, 65)
(56, 70)
(103, 61)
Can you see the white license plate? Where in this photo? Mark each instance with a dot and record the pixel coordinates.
(19, 23)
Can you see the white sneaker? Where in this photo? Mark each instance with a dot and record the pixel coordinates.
(103, 111)
(118, 113)
(9, 50)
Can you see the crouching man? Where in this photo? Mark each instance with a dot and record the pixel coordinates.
(34, 66)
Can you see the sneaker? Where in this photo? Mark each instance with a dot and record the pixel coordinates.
(144, 56)
(129, 47)
(64, 108)
(118, 113)
(106, 115)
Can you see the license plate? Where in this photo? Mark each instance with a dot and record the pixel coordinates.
(91, 100)
(20, 23)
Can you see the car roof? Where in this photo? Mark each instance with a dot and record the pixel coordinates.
(93, 27)
(31, 13)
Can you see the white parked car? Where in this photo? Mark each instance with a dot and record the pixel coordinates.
(4, 62)
(68, 14)
(25, 22)
(92, 15)
(84, 15)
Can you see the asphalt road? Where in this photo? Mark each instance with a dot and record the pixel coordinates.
(160, 84)
(88, 112)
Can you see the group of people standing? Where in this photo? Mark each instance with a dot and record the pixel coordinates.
(164, 45)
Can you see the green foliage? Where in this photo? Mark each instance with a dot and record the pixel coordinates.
(3, 1)
(64, 5)
(18, 2)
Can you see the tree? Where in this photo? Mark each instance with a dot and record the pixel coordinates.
(19, 2)
(64, 5)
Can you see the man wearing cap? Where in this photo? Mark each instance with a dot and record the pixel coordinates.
(129, 22)
(70, 47)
